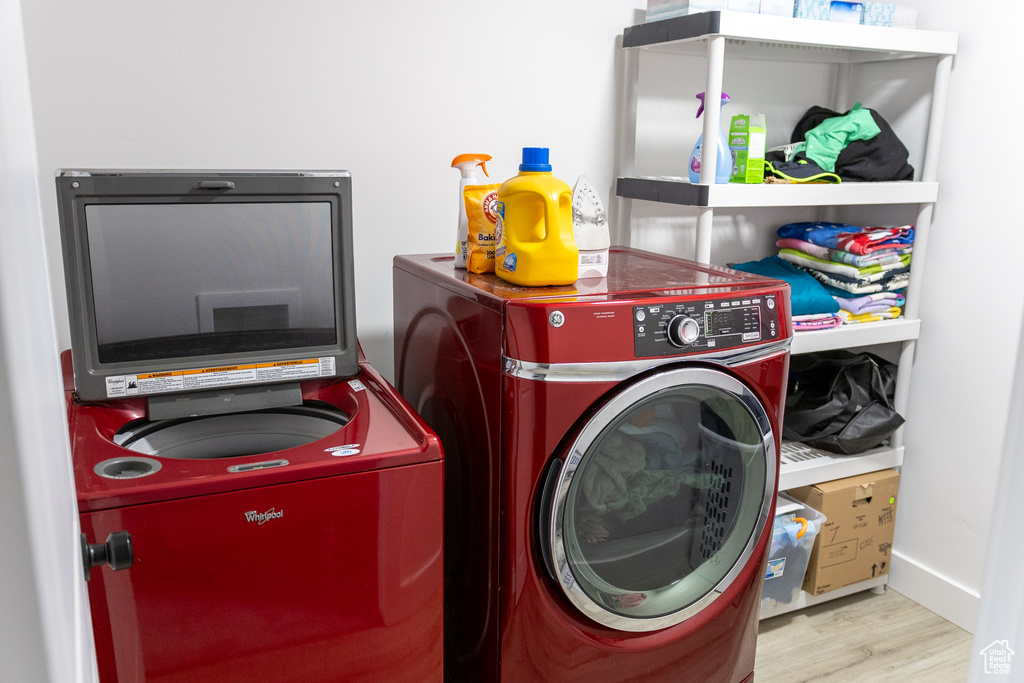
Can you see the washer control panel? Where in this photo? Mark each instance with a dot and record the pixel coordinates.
(670, 328)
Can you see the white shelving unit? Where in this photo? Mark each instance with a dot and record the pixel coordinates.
(734, 195)
(805, 599)
(803, 466)
(739, 35)
(885, 332)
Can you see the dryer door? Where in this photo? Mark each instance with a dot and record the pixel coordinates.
(661, 498)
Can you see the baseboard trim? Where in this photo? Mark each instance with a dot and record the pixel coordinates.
(935, 592)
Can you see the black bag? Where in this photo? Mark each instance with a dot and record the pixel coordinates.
(883, 157)
(840, 401)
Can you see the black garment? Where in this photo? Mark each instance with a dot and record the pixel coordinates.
(799, 169)
(883, 157)
(840, 401)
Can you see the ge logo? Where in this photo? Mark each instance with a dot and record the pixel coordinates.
(556, 319)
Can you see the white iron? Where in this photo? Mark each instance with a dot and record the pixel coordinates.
(590, 229)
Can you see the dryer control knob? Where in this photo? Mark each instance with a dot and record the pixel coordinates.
(682, 330)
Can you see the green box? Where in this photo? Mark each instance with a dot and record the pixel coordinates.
(747, 136)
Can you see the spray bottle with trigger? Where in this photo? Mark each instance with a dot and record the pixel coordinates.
(723, 167)
(467, 164)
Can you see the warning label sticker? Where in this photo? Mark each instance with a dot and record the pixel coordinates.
(122, 386)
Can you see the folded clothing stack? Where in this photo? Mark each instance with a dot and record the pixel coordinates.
(818, 321)
(853, 263)
(850, 274)
(870, 308)
(811, 306)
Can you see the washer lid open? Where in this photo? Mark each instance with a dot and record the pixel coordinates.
(231, 435)
(661, 499)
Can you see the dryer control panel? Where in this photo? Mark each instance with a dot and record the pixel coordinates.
(707, 325)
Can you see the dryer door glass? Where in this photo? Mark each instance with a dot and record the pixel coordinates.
(662, 498)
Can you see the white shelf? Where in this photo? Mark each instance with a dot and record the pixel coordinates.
(801, 465)
(849, 336)
(805, 599)
(760, 36)
(736, 195)
(717, 36)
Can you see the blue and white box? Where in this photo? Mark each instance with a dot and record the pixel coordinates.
(846, 12)
(812, 9)
(879, 13)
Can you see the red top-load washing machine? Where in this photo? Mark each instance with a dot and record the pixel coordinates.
(298, 544)
(269, 508)
(611, 464)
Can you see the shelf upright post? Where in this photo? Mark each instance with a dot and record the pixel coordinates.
(937, 118)
(709, 153)
(702, 243)
(625, 150)
(840, 103)
(841, 97)
(929, 173)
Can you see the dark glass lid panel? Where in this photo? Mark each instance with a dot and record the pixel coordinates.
(173, 280)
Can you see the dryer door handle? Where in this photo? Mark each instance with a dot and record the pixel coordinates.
(546, 513)
(116, 553)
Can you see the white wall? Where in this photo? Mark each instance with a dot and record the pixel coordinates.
(971, 311)
(1001, 617)
(44, 619)
(392, 92)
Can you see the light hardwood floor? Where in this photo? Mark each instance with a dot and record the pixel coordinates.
(863, 637)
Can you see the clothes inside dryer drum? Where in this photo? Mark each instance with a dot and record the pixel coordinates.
(231, 435)
(664, 501)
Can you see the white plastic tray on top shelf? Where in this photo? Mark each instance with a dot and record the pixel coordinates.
(762, 36)
(802, 465)
(849, 336)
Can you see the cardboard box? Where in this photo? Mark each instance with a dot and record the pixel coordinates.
(747, 142)
(855, 543)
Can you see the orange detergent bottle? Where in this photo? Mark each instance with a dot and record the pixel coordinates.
(536, 247)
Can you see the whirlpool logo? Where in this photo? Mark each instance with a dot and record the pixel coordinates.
(262, 518)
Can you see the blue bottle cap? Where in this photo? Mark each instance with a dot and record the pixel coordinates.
(535, 159)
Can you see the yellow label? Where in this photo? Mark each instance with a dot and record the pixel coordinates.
(480, 211)
(192, 379)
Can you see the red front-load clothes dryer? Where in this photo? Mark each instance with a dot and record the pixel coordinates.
(611, 462)
(299, 544)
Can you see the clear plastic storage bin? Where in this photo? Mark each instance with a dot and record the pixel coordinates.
(793, 534)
